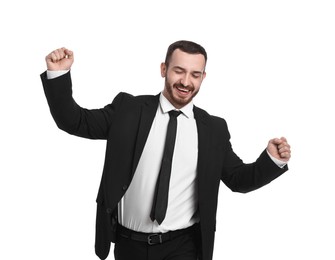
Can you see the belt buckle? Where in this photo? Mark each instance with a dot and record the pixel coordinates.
(150, 238)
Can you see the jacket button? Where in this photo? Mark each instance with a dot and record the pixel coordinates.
(125, 187)
(109, 211)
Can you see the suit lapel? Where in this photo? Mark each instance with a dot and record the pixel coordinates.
(148, 113)
(203, 141)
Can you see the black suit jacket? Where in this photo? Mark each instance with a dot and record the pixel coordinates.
(125, 124)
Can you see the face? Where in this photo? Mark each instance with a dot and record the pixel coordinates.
(183, 77)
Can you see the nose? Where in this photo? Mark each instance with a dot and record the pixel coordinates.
(186, 79)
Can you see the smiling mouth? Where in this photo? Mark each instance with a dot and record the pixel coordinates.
(183, 89)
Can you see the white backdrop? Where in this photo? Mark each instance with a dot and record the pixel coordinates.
(270, 73)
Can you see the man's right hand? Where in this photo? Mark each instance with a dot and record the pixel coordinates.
(60, 59)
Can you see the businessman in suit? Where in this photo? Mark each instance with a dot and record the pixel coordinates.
(164, 161)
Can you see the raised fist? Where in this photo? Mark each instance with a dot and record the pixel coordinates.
(60, 59)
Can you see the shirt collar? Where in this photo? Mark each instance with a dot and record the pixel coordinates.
(166, 106)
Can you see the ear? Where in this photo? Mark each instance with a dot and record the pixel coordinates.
(163, 70)
(204, 75)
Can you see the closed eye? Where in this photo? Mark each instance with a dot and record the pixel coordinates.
(196, 75)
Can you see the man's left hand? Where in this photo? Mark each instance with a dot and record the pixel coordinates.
(280, 149)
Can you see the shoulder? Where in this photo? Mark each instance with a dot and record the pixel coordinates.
(212, 120)
(216, 127)
(126, 100)
(131, 98)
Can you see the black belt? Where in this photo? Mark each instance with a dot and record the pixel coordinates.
(154, 238)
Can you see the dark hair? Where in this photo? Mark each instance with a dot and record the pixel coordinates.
(185, 46)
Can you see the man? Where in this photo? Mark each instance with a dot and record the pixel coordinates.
(149, 207)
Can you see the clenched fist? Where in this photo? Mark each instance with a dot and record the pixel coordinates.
(60, 59)
(280, 149)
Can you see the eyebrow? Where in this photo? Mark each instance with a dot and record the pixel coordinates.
(181, 68)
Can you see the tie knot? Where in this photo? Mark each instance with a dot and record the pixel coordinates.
(174, 113)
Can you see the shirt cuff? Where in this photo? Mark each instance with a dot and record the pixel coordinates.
(279, 163)
(51, 74)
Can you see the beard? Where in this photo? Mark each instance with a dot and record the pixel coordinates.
(175, 99)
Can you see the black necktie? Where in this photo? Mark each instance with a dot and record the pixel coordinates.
(160, 202)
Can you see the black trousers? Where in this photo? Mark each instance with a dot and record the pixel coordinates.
(183, 247)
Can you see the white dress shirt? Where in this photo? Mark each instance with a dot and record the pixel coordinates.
(135, 206)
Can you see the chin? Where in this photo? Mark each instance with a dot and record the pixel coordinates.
(181, 101)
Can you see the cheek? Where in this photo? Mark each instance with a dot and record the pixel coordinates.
(172, 79)
(197, 84)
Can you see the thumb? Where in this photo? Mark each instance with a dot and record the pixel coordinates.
(68, 53)
(275, 141)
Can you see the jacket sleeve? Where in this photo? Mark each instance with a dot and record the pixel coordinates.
(69, 116)
(242, 177)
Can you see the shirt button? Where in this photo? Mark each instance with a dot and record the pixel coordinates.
(125, 187)
(109, 211)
